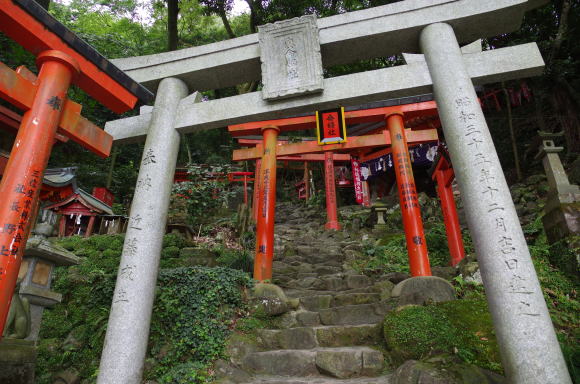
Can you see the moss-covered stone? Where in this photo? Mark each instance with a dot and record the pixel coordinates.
(463, 327)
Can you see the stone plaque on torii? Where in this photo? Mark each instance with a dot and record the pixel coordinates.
(529, 348)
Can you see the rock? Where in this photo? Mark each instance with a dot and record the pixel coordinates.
(308, 319)
(226, 370)
(70, 376)
(384, 289)
(351, 315)
(415, 372)
(357, 281)
(373, 362)
(339, 363)
(269, 299)
(421, 290)
(347, 335)
(427, 372)
(285, 363)
(314, 303)
(191, 257)
(447, 273)
(297, 338)
(396, 277)
(355, 299)
(238, 347)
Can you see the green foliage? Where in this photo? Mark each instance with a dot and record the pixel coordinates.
(389, 254)
(175, 240)
(170, 252)
(560, 289)
(73, 331)
(235, 259)
(204, 193)
(190, 372)
(193, 316)
(462, 327)
(390, 257)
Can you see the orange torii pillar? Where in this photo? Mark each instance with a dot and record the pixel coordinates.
(256, 192)
(444, 175)
(266, 206)
(22, 180)
(331, 213)
(414, 234)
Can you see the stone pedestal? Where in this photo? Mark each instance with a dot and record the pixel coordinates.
(17, 361)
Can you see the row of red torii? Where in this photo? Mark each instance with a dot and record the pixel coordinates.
(392, 137)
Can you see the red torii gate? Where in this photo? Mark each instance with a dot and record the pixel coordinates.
(305, 158)
(63, 59)
(395, 135)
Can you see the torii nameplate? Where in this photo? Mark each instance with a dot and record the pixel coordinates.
(290, 56)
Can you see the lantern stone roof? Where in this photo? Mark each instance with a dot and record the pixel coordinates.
(60, 177)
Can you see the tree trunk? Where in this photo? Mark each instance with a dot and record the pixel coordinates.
(227, 24)
(512, 132)
(172, 13)
(112, 168)
(562, 29)
(43, 3)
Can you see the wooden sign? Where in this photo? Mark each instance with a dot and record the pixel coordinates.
(331, 126)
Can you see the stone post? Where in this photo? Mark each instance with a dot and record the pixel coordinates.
(529, 348)
(128, 330)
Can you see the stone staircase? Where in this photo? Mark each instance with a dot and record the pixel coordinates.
(334, 333)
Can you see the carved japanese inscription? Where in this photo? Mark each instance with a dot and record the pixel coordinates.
(290, 55)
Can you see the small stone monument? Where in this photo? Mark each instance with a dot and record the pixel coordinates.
(562, 210)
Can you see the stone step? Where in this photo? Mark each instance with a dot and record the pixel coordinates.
(342, 363)
(317, 302)
(319, 380)
(356, 314)
(319, 336)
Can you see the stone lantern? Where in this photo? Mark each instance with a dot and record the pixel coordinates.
(562, 211)
(18, 345)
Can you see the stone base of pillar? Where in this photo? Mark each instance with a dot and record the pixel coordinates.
(561, 219)
(17, 361)
(332, 225)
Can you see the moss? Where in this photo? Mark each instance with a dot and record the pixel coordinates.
(463, 327)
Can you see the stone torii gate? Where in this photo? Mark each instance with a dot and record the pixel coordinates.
(288, 57)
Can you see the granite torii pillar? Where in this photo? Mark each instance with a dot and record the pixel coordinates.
(127, 335)
(528, 345)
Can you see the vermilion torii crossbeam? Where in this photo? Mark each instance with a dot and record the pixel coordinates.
(19, 91)
(410, 111)
(35, 30)
(355, 142)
